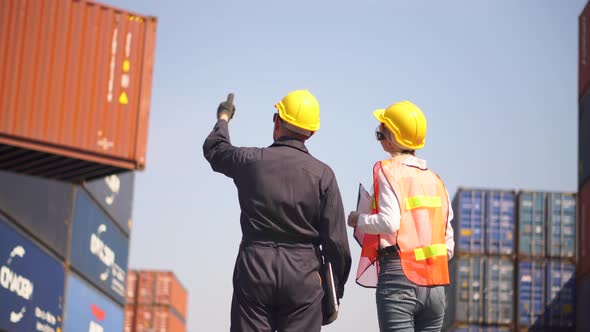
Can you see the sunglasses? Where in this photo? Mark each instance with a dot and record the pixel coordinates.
(379, 135)
(274, 117)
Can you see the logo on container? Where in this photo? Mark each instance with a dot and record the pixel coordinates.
(114, 184)
(107, 256)
(99, 315)
(15, 283)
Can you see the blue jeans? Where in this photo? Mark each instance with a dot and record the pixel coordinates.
(403, 306)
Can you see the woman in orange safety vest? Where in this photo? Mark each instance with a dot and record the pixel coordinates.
(407, 240)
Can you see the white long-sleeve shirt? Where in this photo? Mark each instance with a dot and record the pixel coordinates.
(387, 221)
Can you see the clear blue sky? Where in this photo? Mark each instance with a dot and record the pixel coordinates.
(497, 81)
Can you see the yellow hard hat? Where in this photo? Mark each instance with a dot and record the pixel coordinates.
(301, 109)
(407, 123)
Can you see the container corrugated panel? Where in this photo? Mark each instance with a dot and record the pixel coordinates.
(560, 294)
(115, 194)
(144, 318)
(479, 328)
(145, 288)
(465, 293)
(89, 310)
(584, 140)
(468, 224)
(43, 207)
(166, 320)
(584, 52)
(31, 284)
(531, 224)
(584, 230)
(561, 225)
(131, 287)
(129, 322)
(75, 88)
(170, 292)
(99, 248)
(499, 291)
(500, 222)
(531, 286)
(583, 290)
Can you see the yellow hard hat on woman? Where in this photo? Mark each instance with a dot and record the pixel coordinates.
(406, 122)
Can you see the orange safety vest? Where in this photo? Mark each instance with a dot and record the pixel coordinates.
(424, 211)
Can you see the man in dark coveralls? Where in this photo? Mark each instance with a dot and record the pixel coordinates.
(290, 205)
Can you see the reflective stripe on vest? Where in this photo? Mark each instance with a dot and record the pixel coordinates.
(423, 201)
(430, 251)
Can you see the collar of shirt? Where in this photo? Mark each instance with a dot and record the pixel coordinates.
(290, 142)
(414, 162)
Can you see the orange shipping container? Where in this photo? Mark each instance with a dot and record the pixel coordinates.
(129, 319)
(584, 52)
(157, 319)
(131, 287)
(75, 88)
(169, 292)
(145, 287)
(583, 267)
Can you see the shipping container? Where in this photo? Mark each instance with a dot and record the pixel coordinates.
(530, 297)
(584, 140)
(89, 310)
(99, 248)
(465, 293)
(561, 225)
(115, 194)
(131, 286)
(154, 318)
(583, 318)
(468, 223)
(95, 121)
(499, 291)
(583, 49)
(31, 284)
(41, 206)
(129, 322)
(584, 230)
(145, 287)
(560, 296)
(531, 224)
(162, 288)
(170, 292)
(500, 222)
(479, 328)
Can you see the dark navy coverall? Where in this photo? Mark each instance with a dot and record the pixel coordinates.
(290, 204)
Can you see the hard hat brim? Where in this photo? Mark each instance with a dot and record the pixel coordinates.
(378, 114)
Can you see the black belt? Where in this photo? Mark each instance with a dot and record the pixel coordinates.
(388, 251)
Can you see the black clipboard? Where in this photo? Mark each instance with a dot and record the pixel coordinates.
(330, 303)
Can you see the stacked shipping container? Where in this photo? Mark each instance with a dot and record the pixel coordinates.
(583, 259)
(156, 301)
(68, 248)
(482, 272)
(522, 277)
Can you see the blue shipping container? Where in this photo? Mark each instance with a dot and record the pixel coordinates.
(42, 206)
(531, 224)
(499, 291)
(31, 284)
(468, 223)
(560, 294)
(583, 290)
(88, 310)
(561, 225)
(465, 293)
(500, 222)
(115, 194)
(99, 248)
(531, 293)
